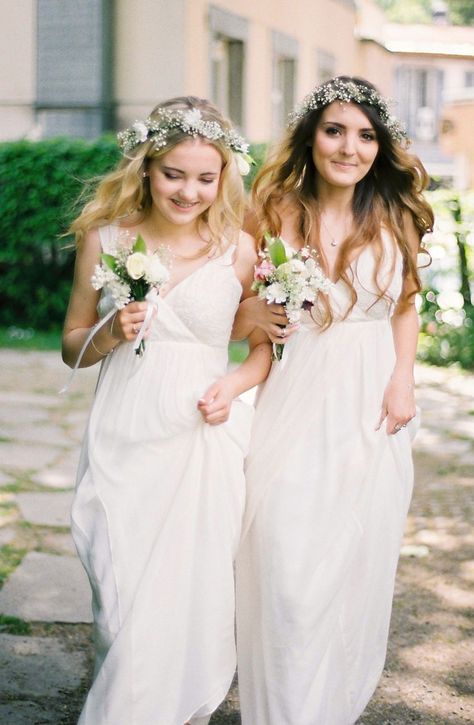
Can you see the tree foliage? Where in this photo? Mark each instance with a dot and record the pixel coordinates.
(461, 12)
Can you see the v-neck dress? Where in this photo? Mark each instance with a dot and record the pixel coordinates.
(327, 497)
(157, 512)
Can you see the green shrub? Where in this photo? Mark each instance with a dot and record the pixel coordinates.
(40, 183)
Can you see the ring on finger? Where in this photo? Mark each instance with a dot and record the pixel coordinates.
(397, 427)
(135, 329)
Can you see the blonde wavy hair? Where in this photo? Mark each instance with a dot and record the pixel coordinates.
(123, 195)
(392, 188)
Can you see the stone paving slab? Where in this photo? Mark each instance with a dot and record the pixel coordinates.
(63, 473)
(47, 588)
(27, 712)
(46, 509)
(19, 397)
(27, 457)
(22, 432)
(21, 660)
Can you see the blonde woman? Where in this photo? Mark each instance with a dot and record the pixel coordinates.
(160, 492)
(329, 472)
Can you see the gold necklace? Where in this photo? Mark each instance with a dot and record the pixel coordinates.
(333, 242)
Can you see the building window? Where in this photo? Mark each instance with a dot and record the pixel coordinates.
(326, 66)
(420, 96)
(285, 54)
(74, 83)
(469, 79)
(227, 60)
(228, 36)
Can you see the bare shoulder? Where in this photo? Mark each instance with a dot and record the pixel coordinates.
(90, 244)
(246, 249)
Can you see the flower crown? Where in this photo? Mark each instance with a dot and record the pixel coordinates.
(191, 122)
(347, 91)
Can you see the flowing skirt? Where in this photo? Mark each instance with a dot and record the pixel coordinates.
(157, 520)
(327, 497)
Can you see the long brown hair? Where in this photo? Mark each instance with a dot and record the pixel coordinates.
(123, 195)
(392, 187)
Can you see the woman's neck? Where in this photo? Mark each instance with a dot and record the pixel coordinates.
(335, 201)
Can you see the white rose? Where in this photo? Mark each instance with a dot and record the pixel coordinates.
(242, 165)
(141, 131)
(156, 272)
(136, 265)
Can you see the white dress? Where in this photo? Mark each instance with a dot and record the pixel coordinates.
(327, 497)
(158, 510)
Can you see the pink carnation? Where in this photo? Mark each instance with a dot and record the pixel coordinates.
(264, 270)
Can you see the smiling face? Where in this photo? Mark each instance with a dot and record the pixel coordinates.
(184, 182)
(345, 146)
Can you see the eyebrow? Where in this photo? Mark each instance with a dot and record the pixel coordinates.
(341, 125)
(180, 171)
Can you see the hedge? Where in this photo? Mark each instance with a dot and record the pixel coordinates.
(41, 183)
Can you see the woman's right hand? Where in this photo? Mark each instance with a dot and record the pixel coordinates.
(271, 319)
(126, 322)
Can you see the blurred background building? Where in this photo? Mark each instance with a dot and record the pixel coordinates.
(83, 67)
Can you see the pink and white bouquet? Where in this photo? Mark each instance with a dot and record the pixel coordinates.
(290, 278)
(130, 274)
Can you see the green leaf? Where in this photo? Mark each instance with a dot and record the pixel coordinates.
(109, 261)
(277, 252)
(139, 245)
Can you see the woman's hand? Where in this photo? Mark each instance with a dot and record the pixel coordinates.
(216, 402)
(398, 405)
(126, 322)
(271, 319)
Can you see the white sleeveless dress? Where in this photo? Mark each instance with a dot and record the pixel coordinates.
(327, 497)
(158, 510)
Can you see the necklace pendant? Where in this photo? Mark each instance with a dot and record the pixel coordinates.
(333, 243)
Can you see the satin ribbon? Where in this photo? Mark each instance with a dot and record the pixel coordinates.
(152, 300)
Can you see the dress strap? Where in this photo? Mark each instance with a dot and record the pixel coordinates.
(108, 235)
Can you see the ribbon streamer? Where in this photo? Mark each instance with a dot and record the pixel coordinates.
(152, 299)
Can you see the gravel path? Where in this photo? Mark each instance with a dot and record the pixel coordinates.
(45, 647)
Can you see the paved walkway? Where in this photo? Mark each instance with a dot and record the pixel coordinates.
(45, 649)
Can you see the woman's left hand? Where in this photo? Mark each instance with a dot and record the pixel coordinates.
(398, 405)
(216, 402)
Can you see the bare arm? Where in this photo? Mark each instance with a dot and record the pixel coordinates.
(216, 402)
(81, 315)
(398, 405)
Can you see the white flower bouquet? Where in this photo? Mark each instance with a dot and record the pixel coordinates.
(292, 279)
(130, 274)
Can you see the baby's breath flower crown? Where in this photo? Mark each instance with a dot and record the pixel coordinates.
(191, 122)
(347, 91)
